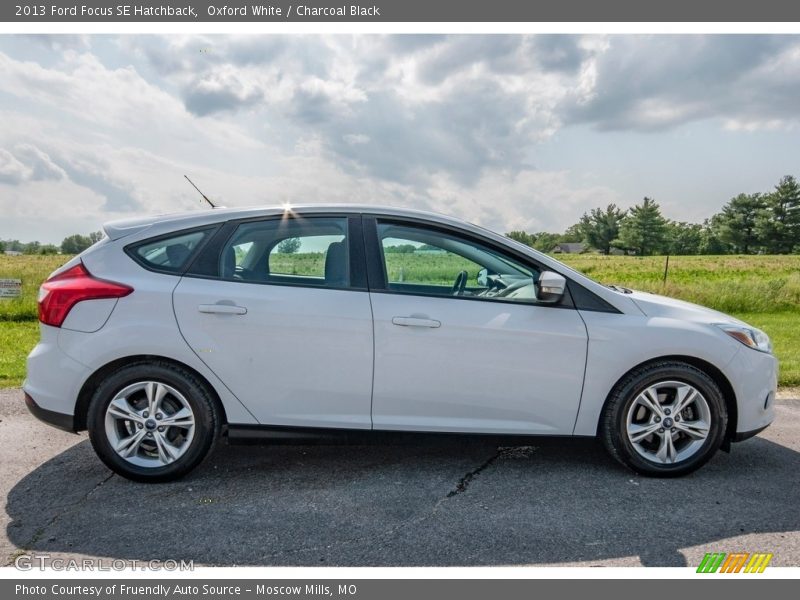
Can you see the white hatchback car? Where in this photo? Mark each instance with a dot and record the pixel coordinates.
(323, 322)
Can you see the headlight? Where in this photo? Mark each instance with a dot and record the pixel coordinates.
(749, 336)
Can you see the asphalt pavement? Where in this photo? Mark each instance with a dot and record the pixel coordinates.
(456, 503)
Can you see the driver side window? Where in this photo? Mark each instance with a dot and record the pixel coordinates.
(423, 261)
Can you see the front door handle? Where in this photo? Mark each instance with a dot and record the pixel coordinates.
(416, 322)
(222, 309)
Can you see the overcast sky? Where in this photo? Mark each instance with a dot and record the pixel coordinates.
(512, 132)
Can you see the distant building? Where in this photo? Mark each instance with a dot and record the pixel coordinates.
(569, 248)
(12, 253)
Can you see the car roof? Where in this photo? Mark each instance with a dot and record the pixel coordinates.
(165, 223)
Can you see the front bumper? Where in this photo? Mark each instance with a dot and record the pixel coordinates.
(746, 435)
(56, 419)
(754, 376)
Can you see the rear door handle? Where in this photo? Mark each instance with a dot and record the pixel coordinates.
(222, 309)
(416, 322)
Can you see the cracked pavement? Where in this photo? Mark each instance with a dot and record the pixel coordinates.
(450, 503)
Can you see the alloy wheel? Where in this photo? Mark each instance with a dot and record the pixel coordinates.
(150, 424)
(668, 422)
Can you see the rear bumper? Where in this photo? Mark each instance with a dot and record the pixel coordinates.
(56, 419)
(53, 380)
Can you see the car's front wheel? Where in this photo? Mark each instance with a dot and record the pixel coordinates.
(664, 419)
(152, 421)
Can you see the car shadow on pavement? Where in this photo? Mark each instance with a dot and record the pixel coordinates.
(454, 503)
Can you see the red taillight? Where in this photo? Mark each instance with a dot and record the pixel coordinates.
(60, 293)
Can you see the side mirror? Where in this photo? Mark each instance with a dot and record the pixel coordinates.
(550, 287)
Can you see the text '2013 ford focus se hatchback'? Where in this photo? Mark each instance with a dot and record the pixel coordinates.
(319, 322)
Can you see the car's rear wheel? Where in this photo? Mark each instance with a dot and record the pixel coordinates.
(664, 419)
(152, 421)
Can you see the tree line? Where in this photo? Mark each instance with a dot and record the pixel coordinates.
(73, 244)
(762, 223)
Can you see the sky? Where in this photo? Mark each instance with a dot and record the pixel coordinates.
(507, 131)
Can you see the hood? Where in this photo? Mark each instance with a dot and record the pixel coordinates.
(654, 305)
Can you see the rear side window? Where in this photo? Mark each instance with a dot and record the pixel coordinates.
(303, 251)
(168, 253)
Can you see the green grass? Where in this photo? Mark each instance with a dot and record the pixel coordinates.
(784, 329)
(761, 290)
(731, 284)
(19, 326)
(32, 270)
(16, 341)
(430, 269)
(309, 263)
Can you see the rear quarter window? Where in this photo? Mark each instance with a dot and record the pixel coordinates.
(170, 254)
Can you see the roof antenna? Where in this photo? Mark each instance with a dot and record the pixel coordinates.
(201, 193)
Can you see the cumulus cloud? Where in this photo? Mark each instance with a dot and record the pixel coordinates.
(662, 82)
(115, 99)
(12, 170)
(452, 123)
(220, 90)
(459, 104)
(464, 104)
(28, 163)
(62, 41)
(613, 82)
(528, 200)
(41, 165)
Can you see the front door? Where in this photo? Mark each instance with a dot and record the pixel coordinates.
(461, 343)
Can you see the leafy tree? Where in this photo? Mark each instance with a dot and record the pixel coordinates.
(683, 238)
(2, 246)
(710, 242)
(32, 248)
(737, 223)
(643, 229)
(779, 224)
(599, 228)
(523, 237)
(546, 242)
(75, 244)
(573, 234)
(289, 246)
(95, 236)
(48, 249)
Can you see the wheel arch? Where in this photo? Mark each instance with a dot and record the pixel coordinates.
(90, 385)
(728, 393)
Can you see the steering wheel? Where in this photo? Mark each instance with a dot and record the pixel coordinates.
(460, 283)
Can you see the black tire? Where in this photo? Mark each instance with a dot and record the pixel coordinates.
(613, 421)
(207, 421)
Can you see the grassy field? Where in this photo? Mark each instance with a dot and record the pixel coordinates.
(762, 290)
(17, 339)
(732, 284)
(32, 270)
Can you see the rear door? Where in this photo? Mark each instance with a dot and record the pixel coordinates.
(278, 309)
(461, 343)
